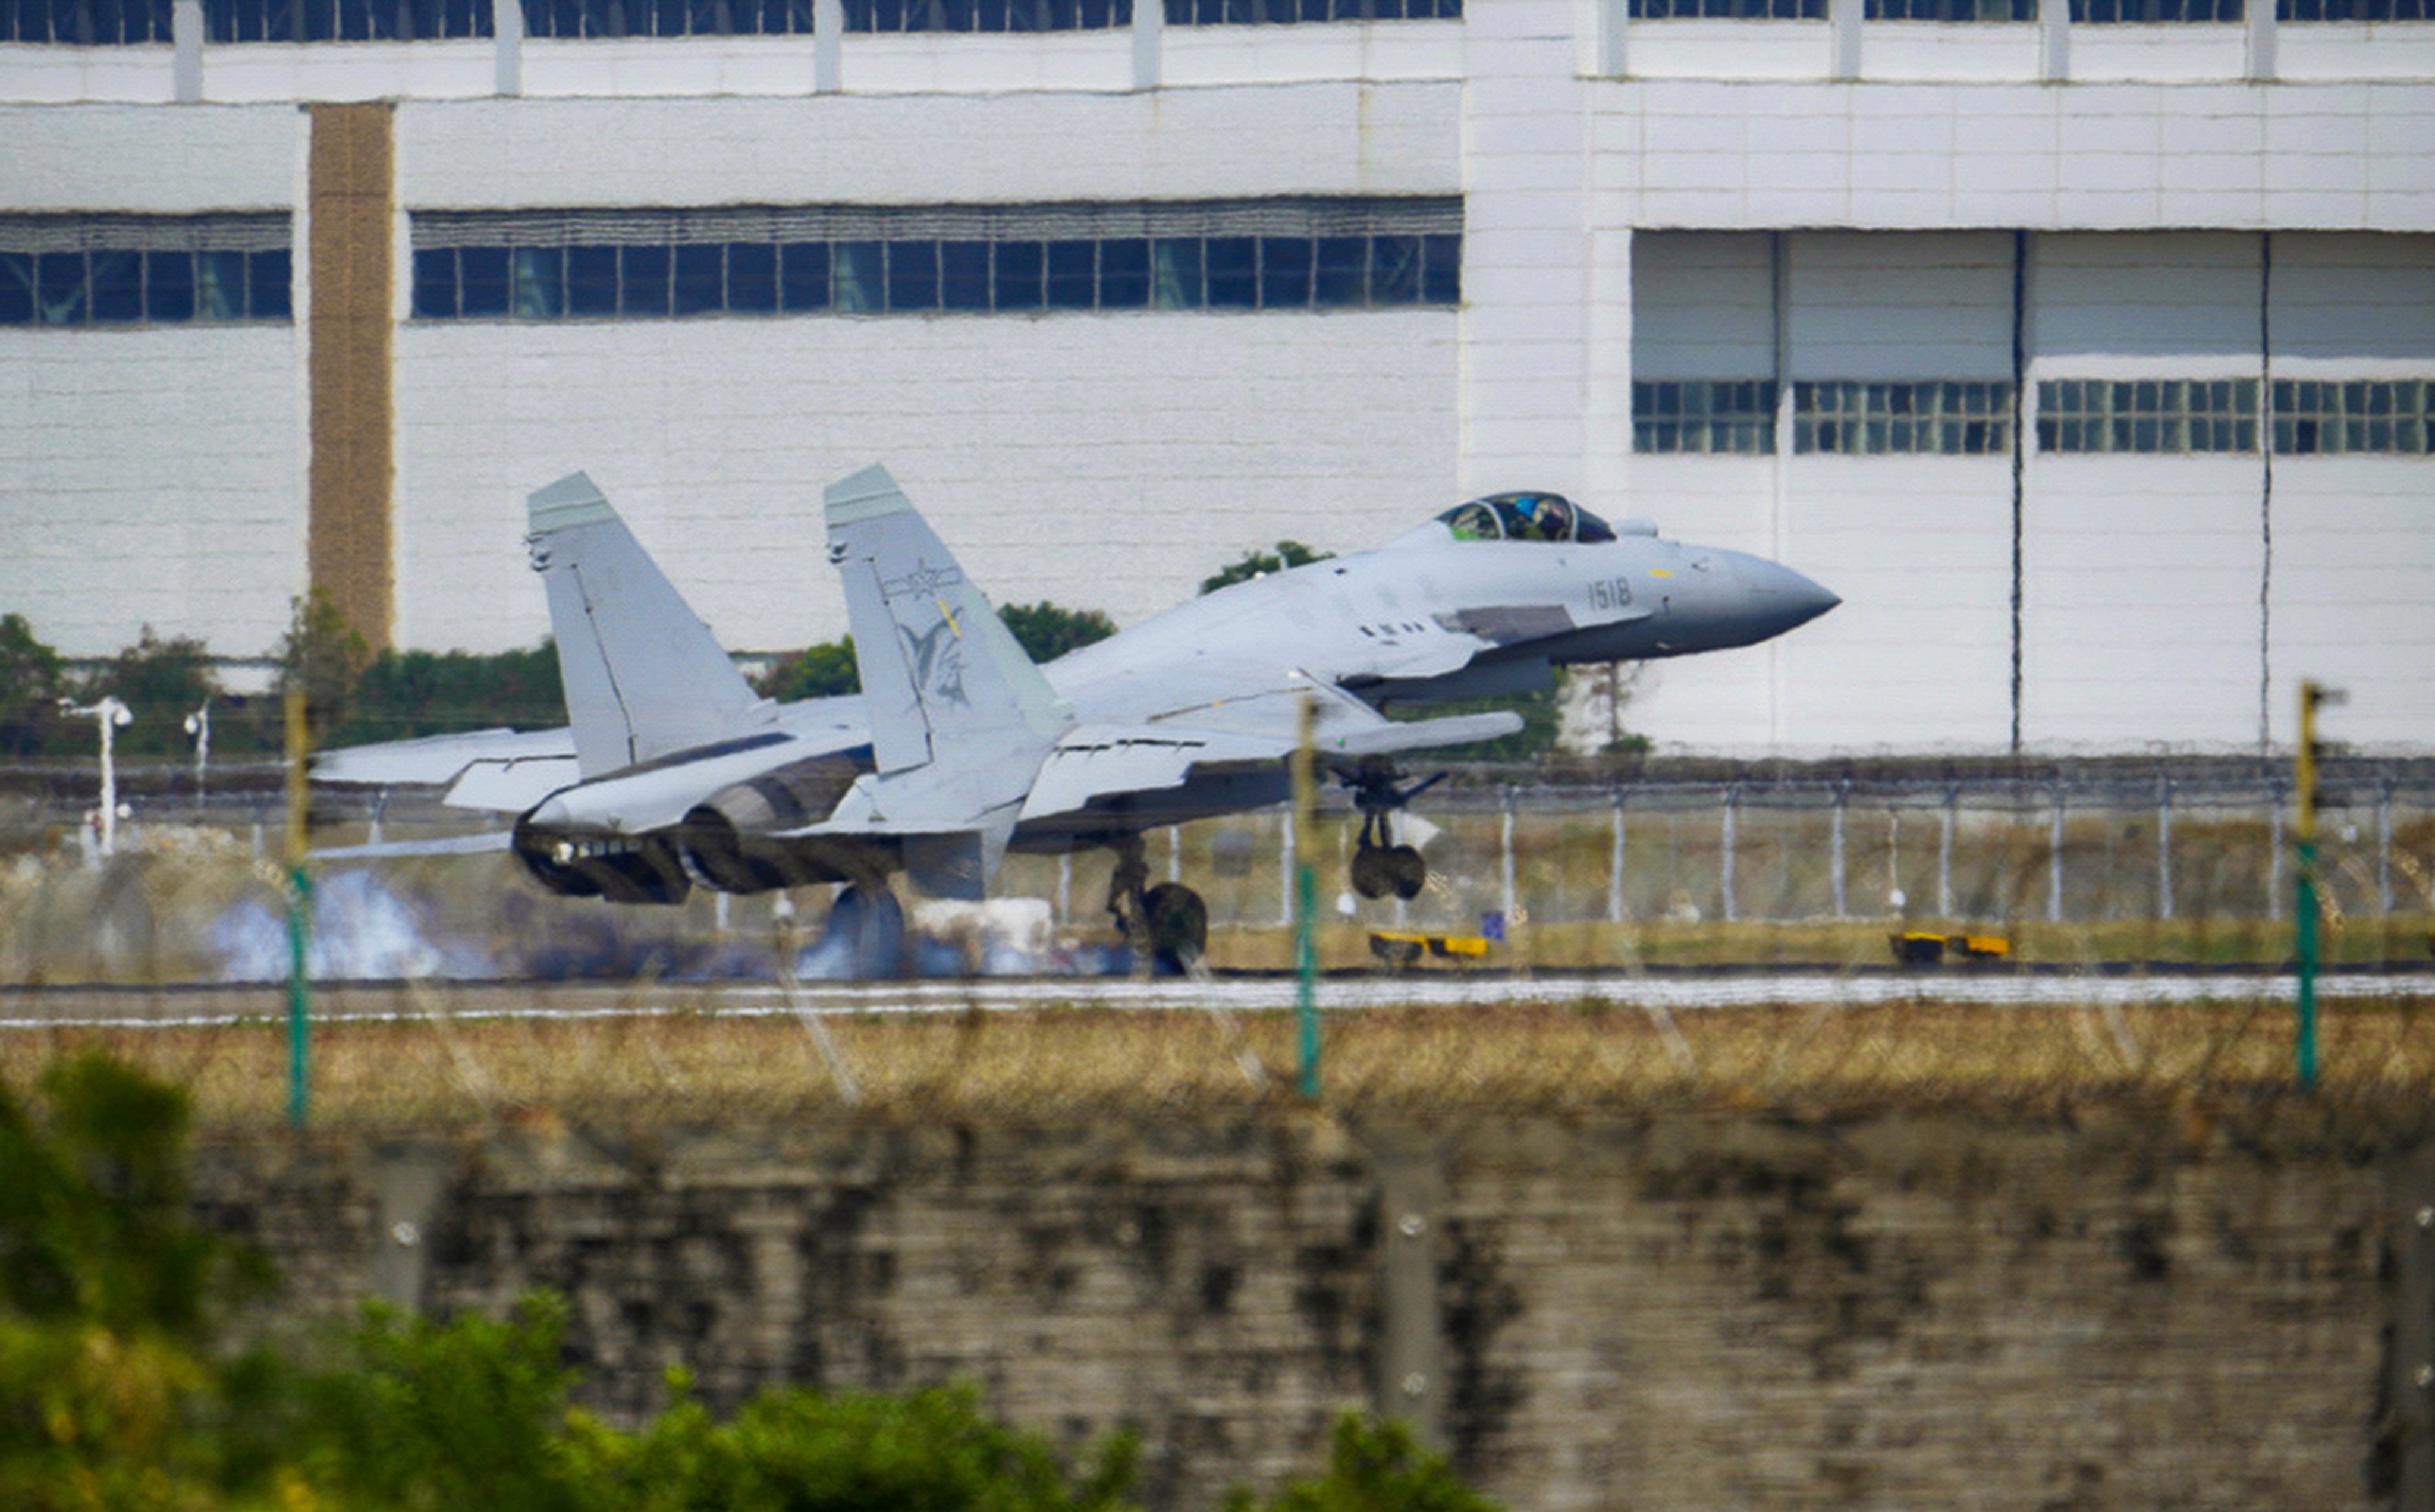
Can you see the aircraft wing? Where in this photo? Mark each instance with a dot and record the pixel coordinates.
(454, 845)
(1096, 763)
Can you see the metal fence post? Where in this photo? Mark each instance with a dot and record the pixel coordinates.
(1286, 871)
(2164, 848)
(1725, 866)
(1506, 844)
(1614, 867)
(2384, 848)
(1842, 795)
(2275, 851)
(2054, 861)
(1945, 858)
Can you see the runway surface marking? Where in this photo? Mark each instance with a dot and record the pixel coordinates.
(339, 1002)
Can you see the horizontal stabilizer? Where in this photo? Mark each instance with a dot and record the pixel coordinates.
(454, 844)
(435, 758)
(512, 786)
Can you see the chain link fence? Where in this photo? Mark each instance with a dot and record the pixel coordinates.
(2076, 863)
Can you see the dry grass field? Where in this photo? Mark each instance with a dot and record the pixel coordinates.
(435, 1073)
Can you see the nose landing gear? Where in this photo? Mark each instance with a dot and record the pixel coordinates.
(1380, 866)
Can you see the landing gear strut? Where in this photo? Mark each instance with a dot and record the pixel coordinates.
(1167, 926)
(1380, 866)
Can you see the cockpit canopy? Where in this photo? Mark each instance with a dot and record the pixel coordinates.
(1524, 517)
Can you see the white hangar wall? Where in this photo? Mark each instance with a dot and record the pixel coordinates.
(151, 474)
(1853, 215)
(1101, 461)
(1105, 462)
(2171, 592)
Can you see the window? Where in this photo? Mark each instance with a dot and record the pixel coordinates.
(1951, 10)
(78, 270)
(1872, 418)
(2355, 9)
(987, 15)
(2155, 10)
(2148, 414)
(84, 22)
(1223, 255)
(226, 21)
(1283, 13)
(667, 18)
(1704, 416)
(1729, 10)
(2322, 418)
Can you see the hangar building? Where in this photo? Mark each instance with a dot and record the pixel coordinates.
(2085, 347)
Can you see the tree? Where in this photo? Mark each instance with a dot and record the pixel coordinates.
(29, 687)
(325, 656)
(1590, 703)
(824, 670)
(1258, 563)
(406, 694)
(163, 681)
(1046, 631)
(112, 1390)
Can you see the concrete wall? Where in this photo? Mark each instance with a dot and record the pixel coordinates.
(2117, 1308)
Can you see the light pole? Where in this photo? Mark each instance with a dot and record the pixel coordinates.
(109, 714)
(198, 724)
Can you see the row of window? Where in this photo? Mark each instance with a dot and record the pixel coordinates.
(129, 286)
(94, 22)
(2307, 417)
(2100, 12)
(896, 275)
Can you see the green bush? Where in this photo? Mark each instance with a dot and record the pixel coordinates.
(406, 694)
(117, 1389)
(824, 670)
(1373, 1466)
(112, 1391)
(828, 670)
(1258, 563)
(1046, 631)
(31, 680)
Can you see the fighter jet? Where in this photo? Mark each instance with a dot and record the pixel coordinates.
(671, 773)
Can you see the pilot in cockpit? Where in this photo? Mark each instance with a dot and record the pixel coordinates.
(1550, 517)
(1533, 516)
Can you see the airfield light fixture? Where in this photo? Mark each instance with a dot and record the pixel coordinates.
(109, 715)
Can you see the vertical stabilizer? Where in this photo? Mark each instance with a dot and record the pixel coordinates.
(944, 679)
(644, 677)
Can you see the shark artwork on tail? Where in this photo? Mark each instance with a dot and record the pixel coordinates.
(671, 773)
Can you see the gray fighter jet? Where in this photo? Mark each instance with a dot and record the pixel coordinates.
(672, 773)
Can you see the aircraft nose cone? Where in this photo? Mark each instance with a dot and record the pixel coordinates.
(1785, 597)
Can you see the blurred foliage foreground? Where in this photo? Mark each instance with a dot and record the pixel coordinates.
(121, 1389)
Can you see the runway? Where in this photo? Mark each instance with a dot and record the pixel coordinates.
(42, 1009)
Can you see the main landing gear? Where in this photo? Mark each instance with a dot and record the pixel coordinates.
(1380, 866)
(1167, 925)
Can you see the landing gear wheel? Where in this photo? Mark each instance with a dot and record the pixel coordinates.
(1178, 925)
(1372, 873)
(1407, 871)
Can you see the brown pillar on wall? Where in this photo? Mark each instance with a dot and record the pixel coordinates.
(350, 187)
